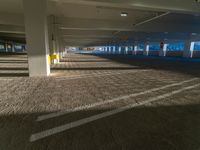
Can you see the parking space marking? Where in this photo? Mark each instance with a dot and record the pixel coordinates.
(5, 79)
(59, 129)
(57, 114)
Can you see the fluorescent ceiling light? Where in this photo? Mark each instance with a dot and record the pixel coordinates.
(124, 14)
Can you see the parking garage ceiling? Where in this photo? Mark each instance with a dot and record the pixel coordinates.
(95, 22)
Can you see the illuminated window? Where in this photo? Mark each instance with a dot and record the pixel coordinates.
(140, 47)
(154, 46)
(197, 46)
(2, 47)
(176, 46)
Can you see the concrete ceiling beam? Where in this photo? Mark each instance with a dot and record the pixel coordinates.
(183, 6)
(12, 29)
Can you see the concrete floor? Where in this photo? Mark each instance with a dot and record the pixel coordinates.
(104, 103)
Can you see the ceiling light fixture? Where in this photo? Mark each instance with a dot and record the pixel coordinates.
(124, 14)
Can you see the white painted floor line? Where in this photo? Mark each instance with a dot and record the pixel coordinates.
(59, 129)
(6, 79)
(64, 112)
(96, 75)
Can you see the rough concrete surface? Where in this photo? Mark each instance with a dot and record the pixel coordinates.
(171, 123)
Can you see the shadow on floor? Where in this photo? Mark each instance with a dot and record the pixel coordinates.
(141, 128)
(14, 74)
(15, 62)
(97, 68)
(159, 63)
(14, 65)
(12, 53)
(13, 68)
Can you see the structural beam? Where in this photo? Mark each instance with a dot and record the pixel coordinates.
(187, 7)
(188, 49)
(12, 29)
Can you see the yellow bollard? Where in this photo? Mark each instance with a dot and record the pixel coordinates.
(54, 57)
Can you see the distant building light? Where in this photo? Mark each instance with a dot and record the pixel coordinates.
(124, 14)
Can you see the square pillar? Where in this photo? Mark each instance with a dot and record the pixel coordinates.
(126, 50)
(13, 47)
(188, 50)
(106, 49)
(146, 51)
(163, 50)
(109, 49)
(131, 49)
(54, 40)
(6, 47)
(37, 37)
(114, 49)
(120, 50)
(135, 50)
(59, 42)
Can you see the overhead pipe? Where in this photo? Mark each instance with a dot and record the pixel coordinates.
(146, 21)
(151, 19)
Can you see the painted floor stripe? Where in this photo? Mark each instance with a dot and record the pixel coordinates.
(57, 114)
(6, 79)
(96, 75)
(59, 129)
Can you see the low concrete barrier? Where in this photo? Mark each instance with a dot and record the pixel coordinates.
(174, 54)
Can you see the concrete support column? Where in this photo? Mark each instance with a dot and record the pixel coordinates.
(13, 47)
(51, 35)
(188, 50)
(61, 45)
(120, 50)
(163, 50)
(130, 49)
(63, 48)
(146, 50)
(55, 42)
(114, 49)
(6, 47)
(106, 49)
(126, 50)
(109, 49)
(135, 50)
(60, 42)
(37, 37)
